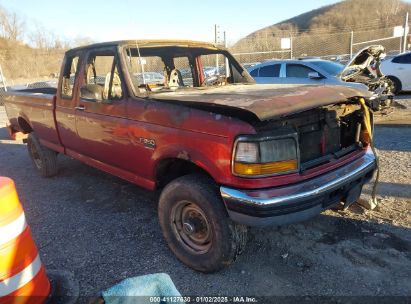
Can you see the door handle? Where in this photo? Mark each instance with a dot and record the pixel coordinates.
(80, 108)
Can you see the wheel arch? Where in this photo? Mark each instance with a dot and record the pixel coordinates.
(396, 80)
(185, 160)
(170, 168)
(24, 125)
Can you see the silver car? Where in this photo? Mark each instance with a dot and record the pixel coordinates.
(361, 72)
(303, 71)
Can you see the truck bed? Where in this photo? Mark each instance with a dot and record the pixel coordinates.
(30, 109)
(44, 91)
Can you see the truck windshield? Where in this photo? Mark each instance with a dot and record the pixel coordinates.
(157, 69)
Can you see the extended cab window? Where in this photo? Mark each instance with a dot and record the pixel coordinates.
(298, 70)
(69, 73)
(102, 79)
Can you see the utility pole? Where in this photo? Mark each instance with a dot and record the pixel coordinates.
(3, 81)
(351, 42)
(404, 40)
(227, 69)
(216, 43)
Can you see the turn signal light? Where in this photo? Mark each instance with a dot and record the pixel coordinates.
(265, 168)
(152, 86)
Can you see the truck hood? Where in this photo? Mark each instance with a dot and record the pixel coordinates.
(263, 101)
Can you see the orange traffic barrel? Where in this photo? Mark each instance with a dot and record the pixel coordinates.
(23, 278)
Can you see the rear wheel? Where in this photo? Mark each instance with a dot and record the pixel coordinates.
(196, 226)
(44, 159)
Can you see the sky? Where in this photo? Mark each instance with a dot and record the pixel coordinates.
(105, 20)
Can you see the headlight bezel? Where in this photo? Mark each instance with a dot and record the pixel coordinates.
(257, 138)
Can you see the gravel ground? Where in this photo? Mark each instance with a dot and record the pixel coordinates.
(103, 229)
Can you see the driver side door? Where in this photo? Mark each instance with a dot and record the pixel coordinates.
(101, 110)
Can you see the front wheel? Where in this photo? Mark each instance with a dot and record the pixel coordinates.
(395, 85)
(44, 159)
(196, 226)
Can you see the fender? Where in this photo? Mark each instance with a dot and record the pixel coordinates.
(216, 168)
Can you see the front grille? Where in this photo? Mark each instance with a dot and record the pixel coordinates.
(318, 142)
(324, 133)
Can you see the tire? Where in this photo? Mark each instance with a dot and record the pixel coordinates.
(396, 85)
(44, 160)
(196, 226)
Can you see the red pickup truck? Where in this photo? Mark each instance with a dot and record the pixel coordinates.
(186, 118)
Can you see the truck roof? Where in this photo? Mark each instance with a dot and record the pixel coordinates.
(151, 43)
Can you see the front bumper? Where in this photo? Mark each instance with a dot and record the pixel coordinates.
(299, 202)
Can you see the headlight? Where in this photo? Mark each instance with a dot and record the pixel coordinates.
(266, 156)
(247, 152)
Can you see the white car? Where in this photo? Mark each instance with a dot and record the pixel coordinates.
(398, 69)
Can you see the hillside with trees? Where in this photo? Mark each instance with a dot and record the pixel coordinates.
(368, 18)
(29, 51)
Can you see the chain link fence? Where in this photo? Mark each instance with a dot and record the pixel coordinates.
(382, 36)
(332, 46)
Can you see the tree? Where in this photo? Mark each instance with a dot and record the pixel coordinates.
(81, 41)
(12, 26)
(40, 38)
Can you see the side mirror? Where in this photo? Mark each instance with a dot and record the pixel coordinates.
(314, 75)
(92, 92)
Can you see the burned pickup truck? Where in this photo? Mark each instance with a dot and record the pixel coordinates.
(185, 118)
